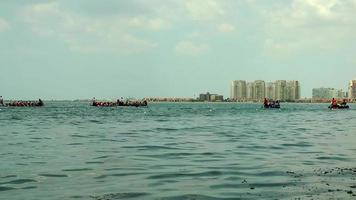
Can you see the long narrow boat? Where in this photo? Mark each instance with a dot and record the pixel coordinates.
(24, 103)
(338, 106)
(119, 103)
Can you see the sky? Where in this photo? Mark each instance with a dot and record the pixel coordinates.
(171, 48)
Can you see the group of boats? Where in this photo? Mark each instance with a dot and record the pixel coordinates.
(267, 104)
(134, 103)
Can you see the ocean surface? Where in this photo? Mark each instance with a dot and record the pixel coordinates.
(70, 150)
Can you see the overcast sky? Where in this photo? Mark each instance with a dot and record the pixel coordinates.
(139, 48)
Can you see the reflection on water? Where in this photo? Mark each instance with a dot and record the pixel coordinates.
(177, 151)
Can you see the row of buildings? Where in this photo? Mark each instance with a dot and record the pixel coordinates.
(328, 93)
(257, 90)
(210, 97)
(283, 90)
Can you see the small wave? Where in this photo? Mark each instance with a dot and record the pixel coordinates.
(4, 188)
(252, 185)
(74, 144)
(332, 158)
(101, 157)
(148, 147)
(299, 144)
(172, 175)
(15, 117)
(19, 181)
(117, 175)
(29, 187)
(113, 196)
(9, 176)
(77, 169)
(94, 162)
(167, 129)
(196, 197)
(79, 136)
(76, 197)
(54, 175)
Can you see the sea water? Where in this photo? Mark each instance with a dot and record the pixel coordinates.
(70, 150)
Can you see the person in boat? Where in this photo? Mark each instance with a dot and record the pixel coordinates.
(119, 102)
(94, 102)
(333, 103)
(40, 102)
(344, 102)
(1, 101)
(277, 104)
(265, 103)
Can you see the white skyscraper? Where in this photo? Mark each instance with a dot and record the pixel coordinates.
(238, 90)
(292, 91)
(352, 89)
(281, 90)
(270, 90)
(250, 91)
(259, 89)
(327, 93)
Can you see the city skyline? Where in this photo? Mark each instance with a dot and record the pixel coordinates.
(284, 90)
(80, 49)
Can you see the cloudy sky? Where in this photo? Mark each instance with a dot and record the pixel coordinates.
(136, 48)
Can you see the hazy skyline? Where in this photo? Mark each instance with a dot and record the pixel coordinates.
(79, 49)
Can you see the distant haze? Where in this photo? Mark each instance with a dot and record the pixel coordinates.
(171, 48)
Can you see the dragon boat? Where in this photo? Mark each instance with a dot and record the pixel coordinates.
(119, 103)
(24, 103)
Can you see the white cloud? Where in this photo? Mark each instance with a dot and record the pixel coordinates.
(226, 28)
(187, 47)
(4, 25)
(85, 34)
(204, 9)
(144, 23)
(310, 24)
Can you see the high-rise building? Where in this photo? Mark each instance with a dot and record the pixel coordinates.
(352, 89)
(281, 90)
(292, 91)
(270, 90)
(259, 89)
(250, 91)
(238, 90)
(327, 93)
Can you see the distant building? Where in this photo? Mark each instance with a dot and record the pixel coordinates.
(210, 97)
(259, 89)
(204, 97)
(216, 97)
(238, 90)
(327, 93)
(292, 91)
(281, 90)
(250, 91)
(270, 90)
(352, 89)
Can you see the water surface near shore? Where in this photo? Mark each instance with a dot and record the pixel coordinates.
(70, 150)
